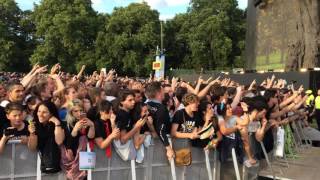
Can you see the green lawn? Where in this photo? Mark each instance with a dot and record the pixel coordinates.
(274, 61)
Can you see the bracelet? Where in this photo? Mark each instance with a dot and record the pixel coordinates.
(58, 125)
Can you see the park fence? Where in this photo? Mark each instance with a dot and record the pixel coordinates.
(17, 162)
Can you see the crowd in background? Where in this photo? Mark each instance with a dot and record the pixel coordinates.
(58, 114)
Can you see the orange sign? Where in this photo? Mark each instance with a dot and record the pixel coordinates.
(156, 65)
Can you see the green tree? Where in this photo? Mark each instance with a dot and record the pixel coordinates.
(129, 39)
(66, 31)
(210, 35)
(16, 42)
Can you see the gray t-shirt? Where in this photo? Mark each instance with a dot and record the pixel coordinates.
(230, 123)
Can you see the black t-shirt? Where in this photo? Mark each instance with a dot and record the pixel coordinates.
(100, 131)
(124, 120)
(93, 114)
(161, 120)
(18, 134)
(186, 123)
(44, 132)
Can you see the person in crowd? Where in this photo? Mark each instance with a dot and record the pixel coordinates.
(160, 115)
(180, 92)
(3, 92)
(168, 102)
(31, 104)
(317, 108)
(229, 129)
(138, 97)
(310, 103)
(15, 93)
(185, 122)
(124, 118)
(140, 111)
(17, 129)
(105, 128)
(96, 96)
(112, 90)
(78, 130)
(86, 104)
(69, 94)
(51, 136)
(210, 141)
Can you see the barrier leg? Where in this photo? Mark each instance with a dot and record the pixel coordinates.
(206, 153)
(244, 173)
(298, 135)
(133, 170)
(215, 165)
(306, 140)
(13, 156)
(267, 159)
(172, 166)
(89, 176)
(38, 167)
(235, 164)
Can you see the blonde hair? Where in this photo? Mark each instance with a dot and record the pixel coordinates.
(189, 99)
(70, 119)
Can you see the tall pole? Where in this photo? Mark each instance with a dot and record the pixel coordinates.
(161, 47)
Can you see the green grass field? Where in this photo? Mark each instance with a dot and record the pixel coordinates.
(274, 61)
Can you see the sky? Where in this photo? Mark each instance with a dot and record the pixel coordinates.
(167, 8)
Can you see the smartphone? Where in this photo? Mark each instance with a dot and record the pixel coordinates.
(83, 115)
(9, 132)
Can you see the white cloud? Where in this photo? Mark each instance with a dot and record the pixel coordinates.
(165, 17)
(177, 2)
(155, 4)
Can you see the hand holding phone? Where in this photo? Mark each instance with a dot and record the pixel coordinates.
(10, 131)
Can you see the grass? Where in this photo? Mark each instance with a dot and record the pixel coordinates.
(274, 61)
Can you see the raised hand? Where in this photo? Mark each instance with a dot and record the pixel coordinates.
(55, 69)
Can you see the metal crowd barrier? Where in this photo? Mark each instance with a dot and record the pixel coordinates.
(17, 162)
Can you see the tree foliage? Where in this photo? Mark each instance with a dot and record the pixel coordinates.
(209, 35)
(16, 42)
(128, 41)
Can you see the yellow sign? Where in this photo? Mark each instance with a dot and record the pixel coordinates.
(156, 65)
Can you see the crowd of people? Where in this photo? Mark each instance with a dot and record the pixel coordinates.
(58, 114)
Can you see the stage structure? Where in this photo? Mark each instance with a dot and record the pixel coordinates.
(283, 34)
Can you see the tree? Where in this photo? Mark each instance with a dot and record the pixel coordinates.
(66, 31)
(129, 39)
(16, 44)
(210, 35)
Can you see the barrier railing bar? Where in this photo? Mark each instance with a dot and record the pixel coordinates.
(13, 155)
(235, 164)
(150, 150)
(172, 165)
(206, 152)
(109, 170)
(38, 167)
(267, 159)
(215, 165)
(89, 175)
